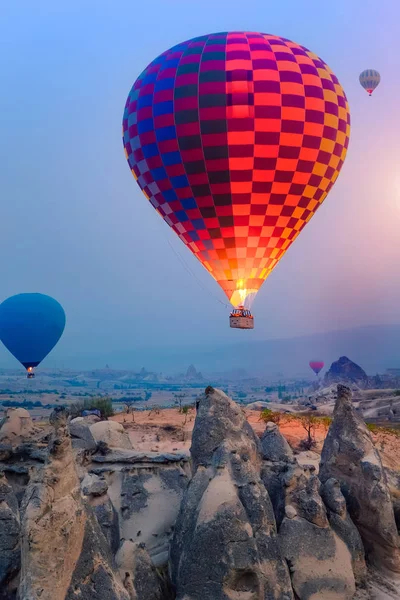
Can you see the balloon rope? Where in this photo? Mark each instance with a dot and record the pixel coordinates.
(200, 283)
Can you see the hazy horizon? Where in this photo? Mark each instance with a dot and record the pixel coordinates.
(374, 348)
(76, 226)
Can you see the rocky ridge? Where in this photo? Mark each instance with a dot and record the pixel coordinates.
(84, 515)
(346, 371)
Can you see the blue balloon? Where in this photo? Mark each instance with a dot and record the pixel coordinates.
(30, 327)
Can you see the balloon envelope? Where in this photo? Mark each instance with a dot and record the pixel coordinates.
(30, 326)
(316, 365)
(236, 139)
(370, 80)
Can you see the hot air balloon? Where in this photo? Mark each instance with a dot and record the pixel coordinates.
(317, 366)
(30, 327)
(370, 80)
(236, 139)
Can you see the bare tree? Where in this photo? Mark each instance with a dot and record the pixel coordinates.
(185, 410)
(179, 398)
(154, 410)
(309, 423)
(129, 408)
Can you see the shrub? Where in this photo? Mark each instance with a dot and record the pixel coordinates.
(325, 422)
(103, 404)
(267, 415)
(374, 428)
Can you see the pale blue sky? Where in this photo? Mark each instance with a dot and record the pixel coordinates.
(75, 225)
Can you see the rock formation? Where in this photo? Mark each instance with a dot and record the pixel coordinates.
(320, 562)
(225, 544)
(393, 478)
(82, 437)
(274, 446)
(111, 433)
(10, 552)
(83, 516)
(95, 489)
(138, 573)
(193, 375)
(350, 457)
(344, 527)
(147, 490)
(346, 371)
(59, 417)
(278, 461)
(60, 536)
(16, 426)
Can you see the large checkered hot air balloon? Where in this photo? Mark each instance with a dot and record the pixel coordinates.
(236, 139)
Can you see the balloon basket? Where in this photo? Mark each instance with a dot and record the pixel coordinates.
(241, 318)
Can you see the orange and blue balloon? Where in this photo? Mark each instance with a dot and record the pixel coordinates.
(30, 327)
(236, 140)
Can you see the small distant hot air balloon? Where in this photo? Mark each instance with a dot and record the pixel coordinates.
(370, 80)
(236, 140)
(30, 327)
(317, 366)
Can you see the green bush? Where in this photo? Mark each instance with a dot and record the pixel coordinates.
(103, 404)
(372, 427)
(267, 415)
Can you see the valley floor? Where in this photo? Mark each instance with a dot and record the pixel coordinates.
(168, 430)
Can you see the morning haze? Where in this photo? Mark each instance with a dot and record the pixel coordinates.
(76, 226)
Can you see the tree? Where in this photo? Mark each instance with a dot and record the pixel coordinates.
(268, 415)
(278, 418)
(185, 411)
(128, 403)
(179, 398)
(309, 423)
(155, 410)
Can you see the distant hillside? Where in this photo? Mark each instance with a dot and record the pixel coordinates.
(374, 348)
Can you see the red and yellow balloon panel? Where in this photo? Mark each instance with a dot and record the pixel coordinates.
(236, 139)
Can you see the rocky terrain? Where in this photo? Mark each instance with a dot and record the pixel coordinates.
(346, 371)
(108, 510)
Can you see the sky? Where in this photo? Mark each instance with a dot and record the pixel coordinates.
(75, 225)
